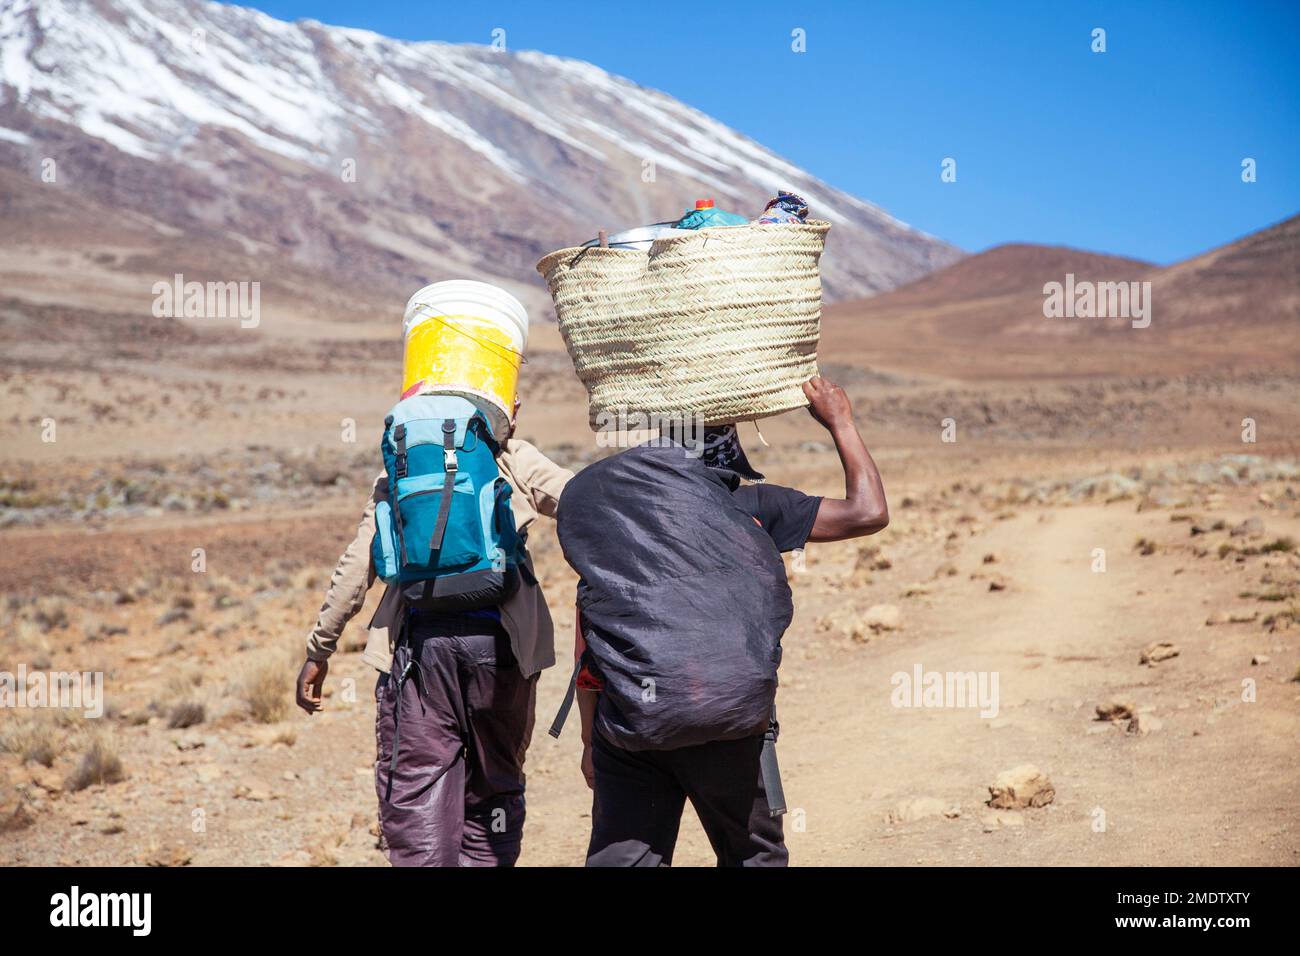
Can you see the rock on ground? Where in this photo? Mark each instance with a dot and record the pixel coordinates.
(882, 617)
(1116, 710)
(1020, 787)
(1144, 724)
(1158, 651)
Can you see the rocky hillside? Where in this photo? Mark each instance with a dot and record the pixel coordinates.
(196, 136)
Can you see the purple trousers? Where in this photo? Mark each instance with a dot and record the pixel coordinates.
(460, 715)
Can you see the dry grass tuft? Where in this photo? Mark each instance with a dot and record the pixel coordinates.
(180, 701)
(15, 813)
(33, 740)
(99, 763)
(27, 642)
(186, 713)
(266, 685)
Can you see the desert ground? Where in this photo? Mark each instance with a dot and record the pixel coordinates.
(1053, 524)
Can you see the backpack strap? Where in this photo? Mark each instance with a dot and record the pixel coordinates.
(771, 773)
(450, 466)
(410, 670)
(399, 445)
(399, 471)
(566, 705)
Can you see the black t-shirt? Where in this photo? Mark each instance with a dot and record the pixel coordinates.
(785, 514)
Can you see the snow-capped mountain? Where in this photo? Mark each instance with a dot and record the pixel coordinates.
(366, 161)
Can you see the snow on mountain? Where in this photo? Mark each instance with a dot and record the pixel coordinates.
(239, 129)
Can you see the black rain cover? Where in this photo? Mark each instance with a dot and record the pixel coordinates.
(684, 596)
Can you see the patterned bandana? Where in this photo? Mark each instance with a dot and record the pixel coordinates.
(722, 450)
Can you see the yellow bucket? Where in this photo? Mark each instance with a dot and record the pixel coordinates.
(466, 338)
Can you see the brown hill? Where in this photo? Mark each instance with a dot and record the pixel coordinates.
(1011, 269)
(1255, 280)
(1236, 307)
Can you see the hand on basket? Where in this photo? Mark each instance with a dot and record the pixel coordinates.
(828, 403)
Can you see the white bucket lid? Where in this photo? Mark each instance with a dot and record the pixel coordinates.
(465, 296)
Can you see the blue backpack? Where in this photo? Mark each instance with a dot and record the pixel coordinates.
(446, 535)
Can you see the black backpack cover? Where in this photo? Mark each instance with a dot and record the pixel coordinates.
(684, 599)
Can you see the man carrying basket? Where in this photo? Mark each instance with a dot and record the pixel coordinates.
(683, 601)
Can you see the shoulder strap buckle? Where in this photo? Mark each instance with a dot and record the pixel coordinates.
(449, 444)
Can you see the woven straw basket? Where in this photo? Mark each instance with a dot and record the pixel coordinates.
(722, 323)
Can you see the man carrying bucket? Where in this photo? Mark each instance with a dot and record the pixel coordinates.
(683, 601)
(456, 692)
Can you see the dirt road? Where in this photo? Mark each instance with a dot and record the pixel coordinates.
(1061, 638)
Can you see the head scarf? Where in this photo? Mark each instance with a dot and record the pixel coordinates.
(722, 450)
(717, 445)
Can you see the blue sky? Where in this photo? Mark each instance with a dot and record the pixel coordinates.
(1136, 151)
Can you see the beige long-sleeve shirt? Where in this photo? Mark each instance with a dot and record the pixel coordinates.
(537, 482)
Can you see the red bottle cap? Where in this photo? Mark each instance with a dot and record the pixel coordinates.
(704, 204)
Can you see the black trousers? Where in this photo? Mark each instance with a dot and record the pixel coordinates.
(640, 795)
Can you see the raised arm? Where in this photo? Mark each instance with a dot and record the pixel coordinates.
(863, 509)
